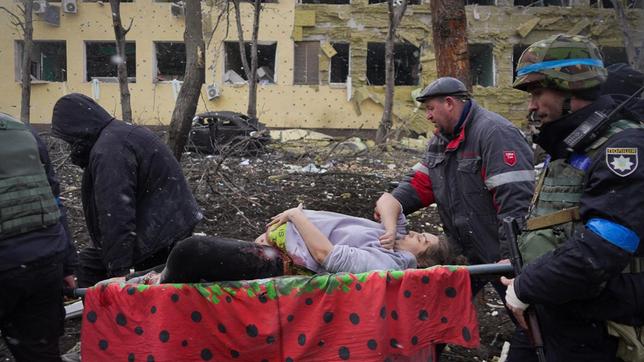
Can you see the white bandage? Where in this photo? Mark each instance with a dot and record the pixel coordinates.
(512, 300)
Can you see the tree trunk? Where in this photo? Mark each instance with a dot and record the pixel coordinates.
(252, 80)
(119, 33)
(449, 32)
(251, 71)
(25, 70)
(635, 58)
(395, 16)
(186, 105)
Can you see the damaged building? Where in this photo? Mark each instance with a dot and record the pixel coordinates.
(321, 63)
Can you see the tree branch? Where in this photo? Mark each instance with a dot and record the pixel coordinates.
(127, 30)
(18, 21)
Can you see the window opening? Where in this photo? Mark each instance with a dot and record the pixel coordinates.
(306, 62)
(170, 61)
(48, 61)
(406, 64)
(481, 64)
(339, 63)
(102, 61)
(234, 69)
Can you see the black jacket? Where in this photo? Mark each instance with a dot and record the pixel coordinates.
(135, 197)
(49, 245)
(587, 269)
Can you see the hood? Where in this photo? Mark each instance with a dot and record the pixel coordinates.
(634, 110)
(77, 118)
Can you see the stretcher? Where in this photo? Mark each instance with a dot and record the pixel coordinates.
(374, 316)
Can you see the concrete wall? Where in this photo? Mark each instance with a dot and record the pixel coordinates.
(283, 104)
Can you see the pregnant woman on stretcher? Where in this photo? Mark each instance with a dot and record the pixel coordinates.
(300, 241)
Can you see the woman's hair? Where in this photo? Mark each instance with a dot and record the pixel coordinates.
(442, 254)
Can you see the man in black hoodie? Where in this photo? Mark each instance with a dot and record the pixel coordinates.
(582, 241)
(136, 201)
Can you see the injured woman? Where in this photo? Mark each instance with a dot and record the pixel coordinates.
(298, 241)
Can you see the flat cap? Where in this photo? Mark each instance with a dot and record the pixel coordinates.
(445, 86)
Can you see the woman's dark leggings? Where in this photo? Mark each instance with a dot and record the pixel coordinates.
(211, 259)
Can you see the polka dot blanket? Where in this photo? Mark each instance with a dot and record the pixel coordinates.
(374, 316)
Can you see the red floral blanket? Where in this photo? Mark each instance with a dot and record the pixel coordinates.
(395, 315)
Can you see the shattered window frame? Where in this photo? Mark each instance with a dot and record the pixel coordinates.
(407, 76)
(266, 61)
(409, 2)
(334, 62)
(481, 2)
(109, 73)
(306, 62)
(482, 57)
(165, 70)
(517, 50)
(613, 55)
(327, 2)
(607, 4)
(48, 63)
(542, 3)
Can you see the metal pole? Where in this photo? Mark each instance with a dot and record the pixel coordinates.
(481, 269)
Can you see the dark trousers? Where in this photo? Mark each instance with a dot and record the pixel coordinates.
(32, 312)
(212, 259)
(91, 269)
(569, 338)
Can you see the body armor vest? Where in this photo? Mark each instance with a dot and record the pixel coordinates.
(26, 199)
(554, 213)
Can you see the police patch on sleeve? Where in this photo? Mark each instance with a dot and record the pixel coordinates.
(622, 161)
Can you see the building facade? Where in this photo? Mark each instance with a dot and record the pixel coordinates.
(321, 62)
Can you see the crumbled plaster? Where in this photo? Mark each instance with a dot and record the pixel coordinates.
(503, 26)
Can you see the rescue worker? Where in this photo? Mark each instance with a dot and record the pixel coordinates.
(586, 221)
(478, 169)
(37, 256)
(136, 201)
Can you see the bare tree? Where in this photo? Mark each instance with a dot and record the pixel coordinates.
(449, 32)
(188, 98)
(395, 12)
(251, 72)
(119, 33)
(635, 56)
(24, 21)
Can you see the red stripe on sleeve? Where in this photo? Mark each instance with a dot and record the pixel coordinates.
(423, 186)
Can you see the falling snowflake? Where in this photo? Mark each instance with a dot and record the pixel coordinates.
(621, 163)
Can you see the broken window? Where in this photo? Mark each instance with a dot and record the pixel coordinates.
(612, 55)
(339, 63)
(234, 68)
(409, 2)
(101, 61)
(406, 64)
(332, 2)
(606, 4)
(542, 2)
(481, 64)
(306, 62)
(170, 60)
(48, 61)
(517, 50)
(480, 2)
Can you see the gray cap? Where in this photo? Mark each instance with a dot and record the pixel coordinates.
(445, 86)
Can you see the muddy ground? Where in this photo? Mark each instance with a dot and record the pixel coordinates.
(239, 194)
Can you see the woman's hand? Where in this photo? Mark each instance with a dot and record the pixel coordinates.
(284, 216)
(388, 239)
